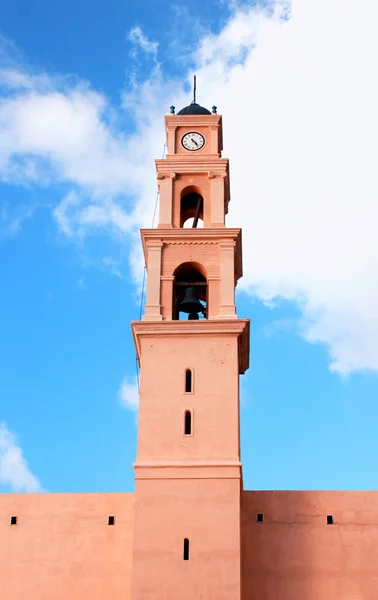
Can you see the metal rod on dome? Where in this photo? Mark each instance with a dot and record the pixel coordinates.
(194, 89)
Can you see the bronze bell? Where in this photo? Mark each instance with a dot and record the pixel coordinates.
(191, 304)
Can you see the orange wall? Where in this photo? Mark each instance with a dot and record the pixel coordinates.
(215, 401)
(63, 548)
(295, 555)
(207, 512)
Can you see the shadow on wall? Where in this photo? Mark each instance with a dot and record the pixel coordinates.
(309, 545)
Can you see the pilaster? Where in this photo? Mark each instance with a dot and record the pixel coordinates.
(152, 306)
(165, 183)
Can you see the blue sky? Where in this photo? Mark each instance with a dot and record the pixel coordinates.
(84, 88)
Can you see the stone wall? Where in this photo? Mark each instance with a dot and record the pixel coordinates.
(62, 547)
(294, 555)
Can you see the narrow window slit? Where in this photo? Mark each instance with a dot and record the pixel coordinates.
(111, 520)
(188, 422)
(186, 549)
(329, 519)
(188, 381)
(13, 520)
(259, 518)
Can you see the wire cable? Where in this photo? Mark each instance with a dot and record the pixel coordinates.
(145, 271)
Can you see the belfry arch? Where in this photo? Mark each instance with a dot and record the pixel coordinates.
(191, 207)
(190, 281)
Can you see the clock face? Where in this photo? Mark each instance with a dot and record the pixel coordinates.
(193, 141)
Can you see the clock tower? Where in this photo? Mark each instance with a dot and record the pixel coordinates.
(191, 348)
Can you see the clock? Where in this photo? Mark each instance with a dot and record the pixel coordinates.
(193, 141)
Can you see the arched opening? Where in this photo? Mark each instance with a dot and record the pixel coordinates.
(188, 381)
(191, 208)
(188, 423)
(186, 549)
(189, 292)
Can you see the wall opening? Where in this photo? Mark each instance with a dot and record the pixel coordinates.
(191, 209)
(186, 549)
(189, 292)
(111, 520)
(259, 518)
(188, 381)
(188, 423)
(329, 519)
(13, 520)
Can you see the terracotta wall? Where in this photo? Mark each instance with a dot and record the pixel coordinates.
(62, 547)
(205, 511)
(214, 401)
(295, 555)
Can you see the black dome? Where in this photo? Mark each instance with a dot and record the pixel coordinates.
(194, 109)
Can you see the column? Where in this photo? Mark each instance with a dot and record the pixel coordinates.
(217, 199)
(227, 308)
(171, 139)
(165, 199)
(214, 136)
(152, 307)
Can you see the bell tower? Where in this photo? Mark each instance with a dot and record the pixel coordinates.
(191, 348)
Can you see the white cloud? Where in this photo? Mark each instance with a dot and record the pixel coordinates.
(113, 265)
(139, 39)
(299, 99)
(128, 394)
(14, 470)
(15, 79)
(301, 126)
(11, 219)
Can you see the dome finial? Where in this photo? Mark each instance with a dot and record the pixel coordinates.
(194, 108)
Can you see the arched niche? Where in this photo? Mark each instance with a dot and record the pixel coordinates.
(191, 207)
(189, 275)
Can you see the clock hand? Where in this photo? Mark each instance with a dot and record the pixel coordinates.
(191, 139)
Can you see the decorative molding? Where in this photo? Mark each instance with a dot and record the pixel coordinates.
(161, 175)
(153, 464)
(183, 236)
(208, 163)
(227, 244)
(222, 468)
(212, 120)
(190, 243)
(185, 476)
(154, 244)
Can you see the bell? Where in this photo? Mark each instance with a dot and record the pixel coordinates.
(191, 304)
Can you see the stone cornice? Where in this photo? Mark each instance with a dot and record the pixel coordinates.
(206, 163)
(156, 464)
(213, 120)
(214, 327)
(190, 243)
(196, 236)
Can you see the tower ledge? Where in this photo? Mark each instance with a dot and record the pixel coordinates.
(239, 327)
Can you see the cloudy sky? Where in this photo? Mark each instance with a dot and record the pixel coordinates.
(84, 87)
